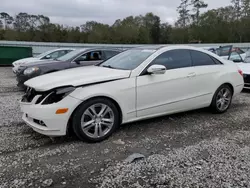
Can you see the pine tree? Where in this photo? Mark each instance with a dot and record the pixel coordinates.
(197, 5)
(183, 11)
(246, 8)
(237, 8)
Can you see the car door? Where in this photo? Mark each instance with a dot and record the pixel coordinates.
(88, 58)
(235, 57)
(169, 92)
(224, 51)
(207, 70)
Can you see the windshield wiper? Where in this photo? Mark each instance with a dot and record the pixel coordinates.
(108, 66)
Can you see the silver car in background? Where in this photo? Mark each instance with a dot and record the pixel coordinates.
(51, 54)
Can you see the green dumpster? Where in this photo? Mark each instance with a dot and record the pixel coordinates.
(9, 54)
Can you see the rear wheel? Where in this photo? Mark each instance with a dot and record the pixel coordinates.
(95, 120)
(222, 99)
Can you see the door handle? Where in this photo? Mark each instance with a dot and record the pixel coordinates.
(191, 75)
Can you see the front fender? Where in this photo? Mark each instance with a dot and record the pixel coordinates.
(123, 92)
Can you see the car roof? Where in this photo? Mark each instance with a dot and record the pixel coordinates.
(151, 47)
(63, 49)
(99, 48)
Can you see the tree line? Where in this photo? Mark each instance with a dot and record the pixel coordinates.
(226, 24)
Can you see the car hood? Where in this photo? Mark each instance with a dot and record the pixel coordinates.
(41, 63)
(25, 60)
(76, 77)
(245, 67)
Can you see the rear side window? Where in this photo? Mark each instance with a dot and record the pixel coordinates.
(110, 54)
(216, 61)
(201, 59)
(174, 59)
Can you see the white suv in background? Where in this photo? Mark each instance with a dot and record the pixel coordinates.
(244, 65)
(51, 54)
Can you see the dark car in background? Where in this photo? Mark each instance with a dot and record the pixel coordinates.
(76, 58)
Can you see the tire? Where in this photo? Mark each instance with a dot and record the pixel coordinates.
(84, 114)
(219, 95)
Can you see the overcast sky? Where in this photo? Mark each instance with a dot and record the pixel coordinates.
(77, 12)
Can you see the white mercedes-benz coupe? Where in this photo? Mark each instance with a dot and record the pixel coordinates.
(136, 84)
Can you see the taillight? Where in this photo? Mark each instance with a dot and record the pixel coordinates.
(241, 73)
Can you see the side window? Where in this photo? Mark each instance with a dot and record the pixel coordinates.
(174, 59)
(54, 55)
(109, 54)
(90, 56)
(62, 53)
(201, 59)
(216, 61)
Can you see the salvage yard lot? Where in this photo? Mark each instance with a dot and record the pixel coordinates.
(189, 149)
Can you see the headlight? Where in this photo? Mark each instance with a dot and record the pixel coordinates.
(30, 70)
(57, 95)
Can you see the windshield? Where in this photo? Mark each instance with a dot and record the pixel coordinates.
(69, 55)
(128, 60)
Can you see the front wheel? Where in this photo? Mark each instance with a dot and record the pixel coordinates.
(95, 120)
(222, 99)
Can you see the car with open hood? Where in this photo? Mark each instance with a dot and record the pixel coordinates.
(225, 51)
(51, 54)
(244, 65)
(136, 84)
(76, 58)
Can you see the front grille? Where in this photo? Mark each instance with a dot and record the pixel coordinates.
(246, 78)
(29, 95)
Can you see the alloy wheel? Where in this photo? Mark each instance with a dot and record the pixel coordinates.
(97, 120)
(223, 99)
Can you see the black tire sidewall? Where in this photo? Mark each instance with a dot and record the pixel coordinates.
(76, 123)
(214, 106)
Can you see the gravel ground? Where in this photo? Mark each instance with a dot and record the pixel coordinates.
(193, 149)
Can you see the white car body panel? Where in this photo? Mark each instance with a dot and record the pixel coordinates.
(57, 123)
(245, 67)
(139, 97)
(174, 82)
(75, 77)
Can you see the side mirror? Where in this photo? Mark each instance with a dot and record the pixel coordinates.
(77, 61)
(156, 69)
(47, 56)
